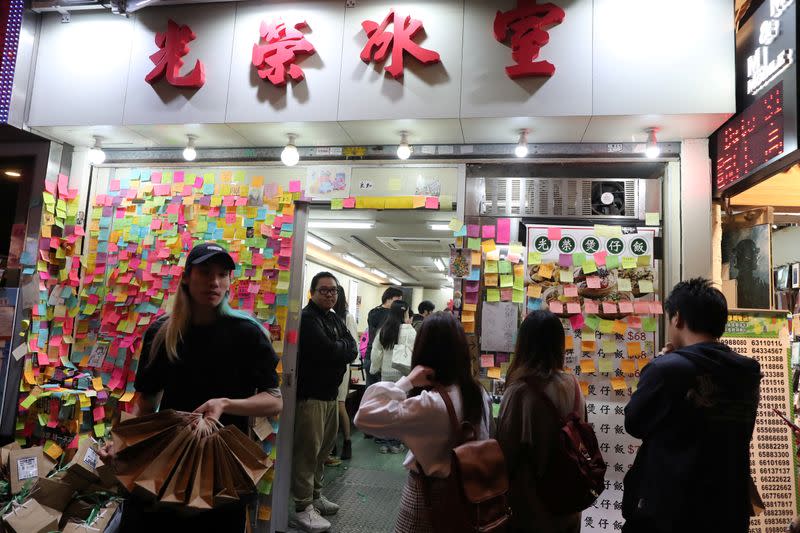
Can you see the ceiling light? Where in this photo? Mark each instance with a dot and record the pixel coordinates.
(378, 273)
(12, 173)
(189, 153)
(290, 156)
(96, 153)
(438, 227)
(329, 224)
(354, 260)
(319, 243)
(403, 149)
(439, 264)
(394, 281)
(652, 150)
(522, 145)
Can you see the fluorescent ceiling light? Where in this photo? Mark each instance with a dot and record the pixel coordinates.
(378, 273)
(439, 264)
(330, 224)
(394, 281)
(438, 227)
(357, 262)
(319, 243)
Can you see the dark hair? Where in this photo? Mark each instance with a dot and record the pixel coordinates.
(391, 292)
(426, 305)
(319, 276)
(540, 346)
(340, 308)
(702, 306)
(442, 345)
(390, 329)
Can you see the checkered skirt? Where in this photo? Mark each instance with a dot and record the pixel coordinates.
(414, 516)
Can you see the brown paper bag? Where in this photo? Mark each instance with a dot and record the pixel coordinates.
(224, 485)
(241, 476)
(30, 517)
(202, 491)
(98, 525)
(177, 490)
(53, 493)
(26, 466)
(143, 428)
(129, 465)
(249, 454)
(153, 478)
(107, 478)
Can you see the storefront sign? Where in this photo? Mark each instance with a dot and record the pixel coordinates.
(528, 24)
(174, 44)
(400, 41)
(765, 64)
(275, 55)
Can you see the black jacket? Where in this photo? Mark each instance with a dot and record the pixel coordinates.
(694, 410)
(375, 320)
(325, 349)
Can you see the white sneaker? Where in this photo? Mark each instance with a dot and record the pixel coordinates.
(396, 449)
(310, 521)
(325, 506)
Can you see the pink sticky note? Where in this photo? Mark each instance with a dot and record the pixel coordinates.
(487, 361)
(349, 203)
(656, 308)
(634, 321)
(557, 308)
(178, 176)
(198, 182)
(99, 413)
(503, 230)
(590, 307)
(593, 282)
(574, 308)
(625, 307)
(50, 186)
(230, 218)
(571, 291)
(294, 186)
(487, 232)
(565, 260)
(577, 322)
(63, 184)
(42, 359)
(600, 258)
(609, 308)
(553, 233)
(642, 308)
(473, 230)
(431, 202)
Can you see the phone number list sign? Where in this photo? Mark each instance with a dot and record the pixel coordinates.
(764, 337)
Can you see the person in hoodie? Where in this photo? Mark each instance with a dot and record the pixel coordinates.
(694, 409)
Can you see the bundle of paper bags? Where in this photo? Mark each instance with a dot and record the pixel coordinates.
(185, 459)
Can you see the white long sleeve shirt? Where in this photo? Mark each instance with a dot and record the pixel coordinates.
(420, 422)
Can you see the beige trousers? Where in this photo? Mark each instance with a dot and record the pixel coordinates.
(316, 423)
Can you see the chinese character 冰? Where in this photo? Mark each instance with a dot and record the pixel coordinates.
(275, 58)
(528, 24)
(399, 41)
(174, 44)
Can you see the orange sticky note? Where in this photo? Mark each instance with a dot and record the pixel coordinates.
(618, 384)
(627, 366)
(620, 327)
(476, 258)
(587, 366)
(569, 342)
(588, 346)
(97, 383)
(642, 363)
(634, 349)
(585, 388)
(469, 327)
(534, 291)
(493, 373)
(488, 246)
(546, 271)
(490, 280)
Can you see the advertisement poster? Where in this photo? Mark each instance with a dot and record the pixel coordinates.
(328, 181)
(764, 336)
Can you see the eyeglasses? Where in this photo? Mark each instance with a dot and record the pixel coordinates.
(328, 291)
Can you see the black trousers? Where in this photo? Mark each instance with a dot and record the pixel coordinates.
(140, 517)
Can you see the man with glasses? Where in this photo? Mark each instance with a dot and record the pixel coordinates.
(325, 349)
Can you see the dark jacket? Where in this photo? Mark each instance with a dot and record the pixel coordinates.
(694, 410)
(325, 349)
(375, 319)
(416, 322)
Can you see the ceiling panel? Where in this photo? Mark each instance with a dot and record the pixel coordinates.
(617, 129)
(112, 136)
(420, 131)
(541, 129)
(308, 133)
(208, 135)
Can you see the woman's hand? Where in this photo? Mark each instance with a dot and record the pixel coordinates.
(106, 452)
(422, 377)
(213, 408)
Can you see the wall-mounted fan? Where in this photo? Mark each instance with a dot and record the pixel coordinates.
(608, 198)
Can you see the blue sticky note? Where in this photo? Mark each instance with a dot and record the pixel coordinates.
(474, 274)
(462, 232)
(208, 188)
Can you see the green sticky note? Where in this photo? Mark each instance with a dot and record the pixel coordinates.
(43, 419)
(519, 283)
(519, 296)
(644, 260)
(491, 267)
(652, 219)
(606, 326)
(492, 295)
(628, 262)
(567, 276)
(612, 261)
(495, 410)
(505, 267)
(578, 259)
(650, 324)
(609, 347)
(604, 365)
(30, 400)
(506, 280)
(645, 286)
(534, 258)
(474, 243)
(624, 285)
(100, 429)
(589, 266)
(592, 322)
(336, 204)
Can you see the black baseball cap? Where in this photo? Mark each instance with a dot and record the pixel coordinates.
(209, 250)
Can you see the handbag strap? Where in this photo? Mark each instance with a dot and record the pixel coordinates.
(539, 390)
(451, 412)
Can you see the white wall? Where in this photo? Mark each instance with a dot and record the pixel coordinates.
(695, 209)
(786, 246)
(439, 297)
(370, 294)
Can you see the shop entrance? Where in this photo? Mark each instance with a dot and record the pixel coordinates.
(369, 251)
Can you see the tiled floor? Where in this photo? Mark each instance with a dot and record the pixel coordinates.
(367, 488)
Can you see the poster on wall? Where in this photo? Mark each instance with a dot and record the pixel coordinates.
(746, 259)
(328, 181)
(773, 464)
(460, 262)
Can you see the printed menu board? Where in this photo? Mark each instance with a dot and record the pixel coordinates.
(764, 337)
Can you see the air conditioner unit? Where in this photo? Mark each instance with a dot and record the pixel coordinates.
(606, 198)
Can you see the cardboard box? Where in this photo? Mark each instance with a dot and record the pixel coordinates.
(26, 466)
(84, 463)
(30, 517)
(53, 493)
(5, 452)
(104, 521)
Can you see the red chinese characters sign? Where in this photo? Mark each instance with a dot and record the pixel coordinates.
(399, 41)
(174, 44)
(275, 57)
(528, 24)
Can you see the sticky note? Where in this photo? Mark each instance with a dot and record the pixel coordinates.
(656, 308)
(600, 258)
(506, 280)
(473, 230)
(474, 243)
(493, 373)
(488, 246)
(487, 361)
(565, 260)
(571, 291)
(578, 258)
(576, 320)
(505, 267)
(584, 388)
(432, 202)
(100, 430)
(566, 276)
(627, 366)
(492, 295)
(624, 285)
(652, 219)
(487, 232)
(588, 346)
(476, 258)
(553, 233)
(587, 366)
(97, 383)
(546, 271)
(643, 260)
(609, 347)
(620, 327)
(556, 307)
(626, 307)
(634, 322)
(641, 363)
(606, 326)
(634, 349)
(503, 230)
(569, 342)
(628, 263)
(612, 262)
(650, 324)
(618, 383)
(455, 224)
(593, 282)
(609, 308)
(534, 291)
(534, 258)
(645, 286)
(519, 296)
(605, 366)
(591, 307)
(491, 280)
(589, 266)
(491, 267)
(336, 204)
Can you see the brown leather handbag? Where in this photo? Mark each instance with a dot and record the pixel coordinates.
(475, 495)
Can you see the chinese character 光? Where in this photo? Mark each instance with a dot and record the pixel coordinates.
(275, 58)
(400, 41)
(174, 44)
(528, 23)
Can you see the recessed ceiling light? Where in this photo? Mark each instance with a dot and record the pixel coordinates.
(12, 173)
(439, 264)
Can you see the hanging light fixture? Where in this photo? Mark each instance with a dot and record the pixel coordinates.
(96, 153)
(290, 156)
(189, 153)
(651, 149)
(521, 149)
(403, 149)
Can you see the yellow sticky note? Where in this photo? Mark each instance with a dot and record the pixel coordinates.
(627, 366)
(493, 373)
(605, 366)
(455, 224)
(652, 219)
(488, 246)
(606, 326)
(519, 271)
(566, 276)
(589, 266)
(628, 263)
(624, 285)
(470, 307)
(546, 271)
(491, 267)
(644, 260)
(494, 255)
(620, 327)
(398, 202)
(53, 450)
(100, 430)
(97, 383)
(419, 201)
(609, 347)
(645, 286)
(569, 342)
(534, 258)
(506, 280)
(634, 349)
(587, 366)
(337, 204)
(534, 291)
(618, 384)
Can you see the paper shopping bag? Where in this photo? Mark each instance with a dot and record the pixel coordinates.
(157, 474)
(26, 466)
(132, 462)
(224, 484)
(177, 490)
(101, 522)
(247, 453)
(143, 428)
(30, 517)
(241, 478)
(202, 492)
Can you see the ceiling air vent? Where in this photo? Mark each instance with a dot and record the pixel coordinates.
(417, 245)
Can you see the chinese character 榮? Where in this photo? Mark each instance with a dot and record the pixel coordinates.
(275, 54)
(528, 24)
